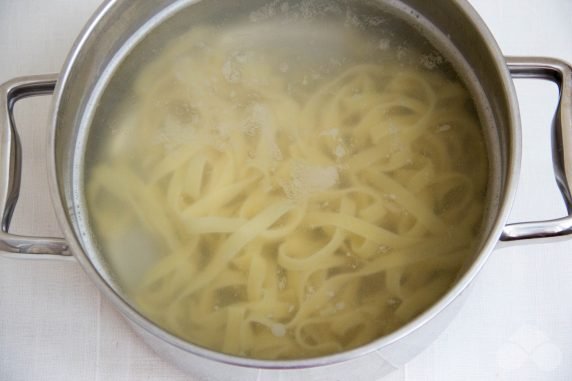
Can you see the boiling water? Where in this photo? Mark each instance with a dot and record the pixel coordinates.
(287, 181)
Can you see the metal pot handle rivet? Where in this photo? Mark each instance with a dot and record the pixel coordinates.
(10, 171)
(560, 73)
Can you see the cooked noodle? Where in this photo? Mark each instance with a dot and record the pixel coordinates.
(290, 222)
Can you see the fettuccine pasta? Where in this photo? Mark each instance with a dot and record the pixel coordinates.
(290, 216)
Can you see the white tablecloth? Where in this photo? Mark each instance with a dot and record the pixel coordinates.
(517, 324)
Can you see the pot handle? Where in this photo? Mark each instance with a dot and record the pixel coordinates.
(560, 73)
(18, 246)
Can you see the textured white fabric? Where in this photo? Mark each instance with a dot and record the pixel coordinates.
(517, 324)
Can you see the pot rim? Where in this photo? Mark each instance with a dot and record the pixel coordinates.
(511, 180)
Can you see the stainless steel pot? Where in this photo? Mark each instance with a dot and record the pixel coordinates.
(119, 24)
